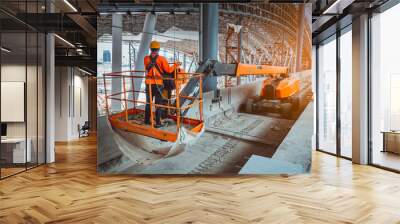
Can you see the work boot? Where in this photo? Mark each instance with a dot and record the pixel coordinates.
(158, 125)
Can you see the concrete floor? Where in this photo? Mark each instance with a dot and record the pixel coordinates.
(224, 147)
(229, 140)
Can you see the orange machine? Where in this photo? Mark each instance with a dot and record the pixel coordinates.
(279, 92)
(249, 69)
(278, 76)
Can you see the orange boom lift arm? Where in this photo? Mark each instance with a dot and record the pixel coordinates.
(279, 92)
(278, 76)
(285, 87)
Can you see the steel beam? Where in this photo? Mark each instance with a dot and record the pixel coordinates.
(78, 61)
(86, 26)
(147, 7)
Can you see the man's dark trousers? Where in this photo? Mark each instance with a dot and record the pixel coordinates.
(156, 91)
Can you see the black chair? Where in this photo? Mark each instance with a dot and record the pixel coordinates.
(84, 130)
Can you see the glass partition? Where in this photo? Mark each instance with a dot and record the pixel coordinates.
(22, 90)
(31, 97)
(41, 96)
(327, 96)
(385, 89)
(14, 143)
(346, 93)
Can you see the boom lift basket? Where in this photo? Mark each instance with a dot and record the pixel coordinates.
(129, 112)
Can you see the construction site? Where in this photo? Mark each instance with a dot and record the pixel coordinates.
(241, 98)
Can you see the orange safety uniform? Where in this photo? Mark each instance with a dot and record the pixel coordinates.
(153, 76)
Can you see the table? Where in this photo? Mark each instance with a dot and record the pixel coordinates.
(391, 141)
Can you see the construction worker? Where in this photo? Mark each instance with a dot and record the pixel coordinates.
(156, 67)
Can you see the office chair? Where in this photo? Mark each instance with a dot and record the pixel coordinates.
(84, 130)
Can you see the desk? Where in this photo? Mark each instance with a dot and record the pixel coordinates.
(13, 150)
(391, 141)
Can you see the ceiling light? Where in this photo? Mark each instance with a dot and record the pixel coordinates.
(70, 5)
(331, 7)
(337, 7)
(86, 72)
(5, 50)
(65, 41)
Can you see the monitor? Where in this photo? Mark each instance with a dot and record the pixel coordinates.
(3, 129)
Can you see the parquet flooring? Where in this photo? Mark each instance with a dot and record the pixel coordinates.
(70, 191)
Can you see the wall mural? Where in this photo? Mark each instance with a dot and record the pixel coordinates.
(230, 94)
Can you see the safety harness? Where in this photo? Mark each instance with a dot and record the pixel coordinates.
(153, 64)
(167, 83)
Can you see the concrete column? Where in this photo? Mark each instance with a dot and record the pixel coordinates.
(50, 92)
(360, 90)
(209, 40)
(116, 57)
(300, 38)
(92, 103)
(147, 36)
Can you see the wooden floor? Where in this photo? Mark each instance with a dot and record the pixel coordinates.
(70, 191)
(387, 159)
(5, 172)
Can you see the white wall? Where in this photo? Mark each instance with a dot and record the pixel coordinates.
(71, 102)
(34, 125)
(79, 117)
(12, 73)
(62, 82)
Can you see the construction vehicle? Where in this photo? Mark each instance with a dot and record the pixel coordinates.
(280, 94)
